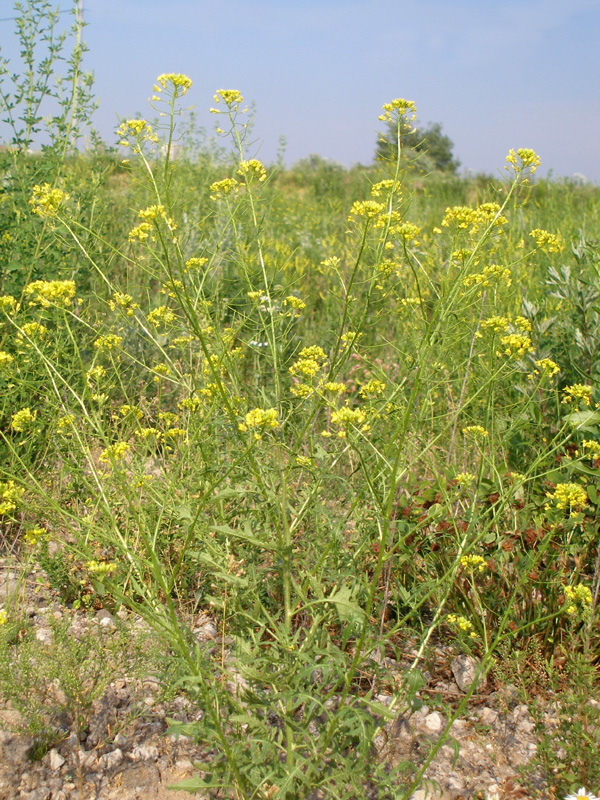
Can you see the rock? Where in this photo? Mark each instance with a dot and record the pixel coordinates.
(39, 794)
(56, 760)
(106, 619)
(144, 752)
(464, 668)
(487, 716)
(433, 723)
(111, 760)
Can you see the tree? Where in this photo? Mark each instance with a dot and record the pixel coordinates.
(428, 149)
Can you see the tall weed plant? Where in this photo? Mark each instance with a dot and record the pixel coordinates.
(337, 454)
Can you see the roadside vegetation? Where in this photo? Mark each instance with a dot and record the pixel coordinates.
(340, 410)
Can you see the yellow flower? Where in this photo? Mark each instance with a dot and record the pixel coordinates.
(578, 391)
(524, 158)
(223, 187)
(109, 342)
(579, 599)
(295, 302)
(10, 496)
(261, 418)
(373, 387)
(180, 83)
(48, 293)
(545, 240)
(34, 535)
(196, 263)
(546, 366)
(8, 304)
(473, 563)
(3, 617)
(5, 359)
(22, 419)
(101, 568)
(477, 431)
(397, 109)
(569, 495)
(47, 201)
(123, 301)
(516, 344)
(161, 316)
(346, 416)
(462, 624)
(115, 452)
(253, 169)
(496, 324)
(366, 208)
(231, 97)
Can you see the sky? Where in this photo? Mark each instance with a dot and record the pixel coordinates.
(496, 75)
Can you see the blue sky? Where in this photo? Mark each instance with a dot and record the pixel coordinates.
(497, 75)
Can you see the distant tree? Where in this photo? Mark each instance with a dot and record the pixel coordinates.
(427, 149)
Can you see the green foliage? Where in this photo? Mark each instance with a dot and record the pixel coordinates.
(427, 149)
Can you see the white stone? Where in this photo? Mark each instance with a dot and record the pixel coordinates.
(464, 669)
(56, 760)
(434, 722)
(145, 752)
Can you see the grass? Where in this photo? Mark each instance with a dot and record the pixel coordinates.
(337, 408)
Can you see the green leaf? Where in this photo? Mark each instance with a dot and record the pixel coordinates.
(346, 606)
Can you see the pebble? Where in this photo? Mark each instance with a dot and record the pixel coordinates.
(434, 722)
(56, 760)
(144, 752)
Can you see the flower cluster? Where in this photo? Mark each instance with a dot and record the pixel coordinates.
(162, 315)
(398, 109)
(261, 418)
(109, 342)
(101, 569)
(493, 273)
(365, 208)
(524, 157)
(578, 391)
(123, 302)
(179, 82)
(462, 624)
(373, 388)
(547, 367)
(546, 240)
(231, 97)
(224, 187)
(473, 563)
(46, 200)
(22, 419)
(579, 601)
(568, 495)
(252, 169)
(472, 219)
(115, 452)
(346, 417)
(50, 293)
(516, 344)
(10, 497)
(476, 431)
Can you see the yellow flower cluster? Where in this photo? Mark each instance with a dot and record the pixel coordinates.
(546, 240)
(494, 273)
(263, 418)
(523, 158)
(472, 219)
(516, 344)
(252, 169)
(22, 419)
(579, 600)
(346, 417)
(5, 359)
(162, 315)
(50, 293)
(35, 535)
(295, 302)
(372, 388)
(223, 187)
(115, 452)
(33, 330)
(365, 208)
(476, 431)
(334, 388)
(10, 496)
(398, 108)
(231, 97)
(568, 495)
(462, 623)
(385, 187)
(473, 563)
(47, 201)
(65, 422)
(104, 343)
(592, 446)
(8, 304)
(101, 568)
(180, 83)
(547, 367)
(124, 302)
(3, 617)
(195, 263)
(578, 391)
(465, 478)
(138, 129)
(496, 324)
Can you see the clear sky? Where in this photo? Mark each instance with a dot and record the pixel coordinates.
(524, 73)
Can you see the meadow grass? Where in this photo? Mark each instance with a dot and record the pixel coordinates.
(342, 410)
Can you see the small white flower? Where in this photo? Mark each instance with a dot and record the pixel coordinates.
(582, 794)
